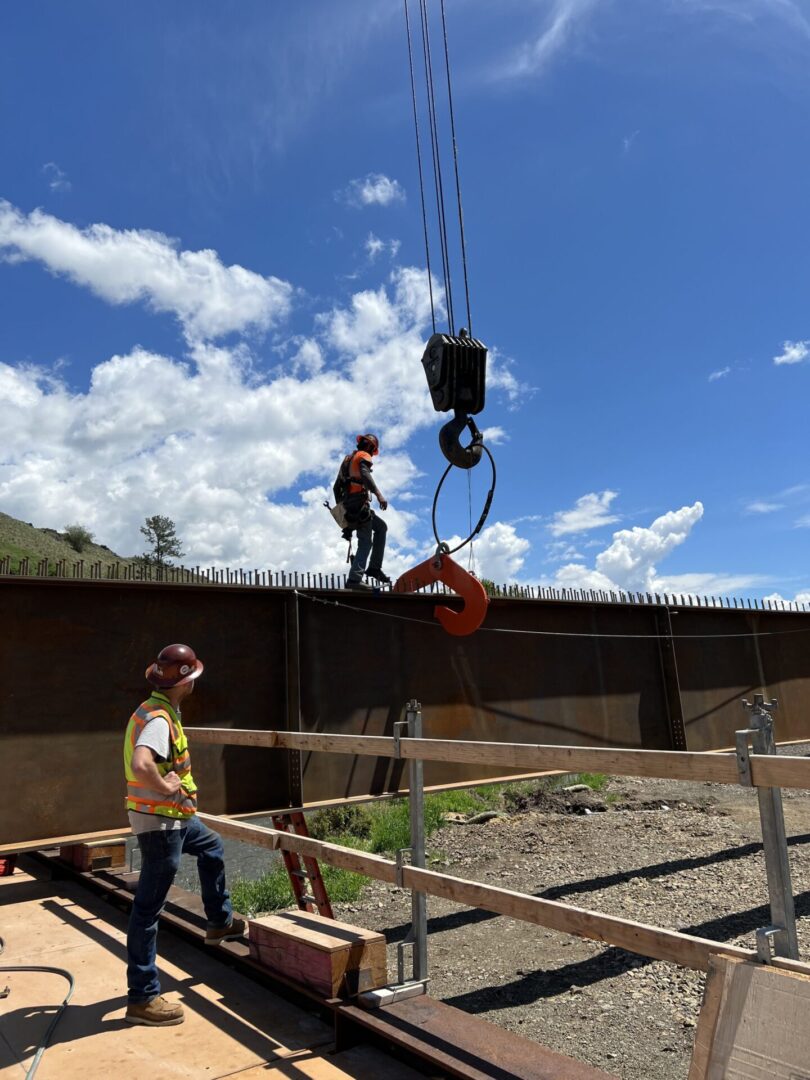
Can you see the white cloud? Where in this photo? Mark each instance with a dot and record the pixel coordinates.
(721, 374)
(801, 597)
(803, 522)
(629, 562)
(793, 352)
(494, 436)
(375, 246)
(125, 266)
(241, 460)
(375, 189)
(762, 507)
(707, 584)
(563, 551)
(752, 13)
(590, 512)
(57, 180)
(558, 31)
(499, 553)
(630, 559)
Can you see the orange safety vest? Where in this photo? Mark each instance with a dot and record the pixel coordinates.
(356, 486)
(184, 801)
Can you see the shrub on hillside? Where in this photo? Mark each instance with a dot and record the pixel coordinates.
(78, 537)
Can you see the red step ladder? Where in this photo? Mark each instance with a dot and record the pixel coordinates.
(305, 874)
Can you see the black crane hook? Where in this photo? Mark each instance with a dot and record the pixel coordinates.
(456, 369)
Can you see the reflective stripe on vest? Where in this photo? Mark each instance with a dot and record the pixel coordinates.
(184, 802)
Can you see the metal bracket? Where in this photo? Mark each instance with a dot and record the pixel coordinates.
(5, 992)
(401, 864)
(400, 732)
(765, 937)
(744, 755)
(407, 943)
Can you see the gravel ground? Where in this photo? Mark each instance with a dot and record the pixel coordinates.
(677, 855)
(672, 854)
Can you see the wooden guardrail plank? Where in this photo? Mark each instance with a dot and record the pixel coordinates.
(676, 765)
(651, 941)
(372, 745)
(712, 767)
(59, 841)
(360, 862)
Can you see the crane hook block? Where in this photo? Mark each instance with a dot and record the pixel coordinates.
(456, 371)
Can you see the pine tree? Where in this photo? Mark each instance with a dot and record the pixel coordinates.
(160, 533)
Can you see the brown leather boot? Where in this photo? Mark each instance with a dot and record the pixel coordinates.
(157, 1012)
(232, 932)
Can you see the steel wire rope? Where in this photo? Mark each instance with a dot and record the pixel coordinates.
(437, 164)
(551, 633)
(43, 1043)
(444, 548)
(419, 165)
(455, 166)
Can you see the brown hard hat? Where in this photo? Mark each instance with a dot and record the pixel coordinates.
(175, 665)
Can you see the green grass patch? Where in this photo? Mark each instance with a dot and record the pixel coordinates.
(383, 828)
(595, 780)
(273, 892)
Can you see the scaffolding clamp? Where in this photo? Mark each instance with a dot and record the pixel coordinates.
(401, 855)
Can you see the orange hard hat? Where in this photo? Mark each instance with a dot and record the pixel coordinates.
(175, 666)
(370, 440)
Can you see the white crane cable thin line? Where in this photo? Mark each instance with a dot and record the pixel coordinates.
(557, 633)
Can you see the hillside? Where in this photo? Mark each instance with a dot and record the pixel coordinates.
(21, 540)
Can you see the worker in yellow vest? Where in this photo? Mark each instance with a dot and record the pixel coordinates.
(162, 805)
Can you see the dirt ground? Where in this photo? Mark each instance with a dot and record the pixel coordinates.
(677, 855)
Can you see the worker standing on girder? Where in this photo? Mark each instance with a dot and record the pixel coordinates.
(353, 489)
(162, 804)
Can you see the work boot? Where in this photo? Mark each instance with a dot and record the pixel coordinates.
(359, 586)
(378, 575)
(232, 932)
(157, 1012)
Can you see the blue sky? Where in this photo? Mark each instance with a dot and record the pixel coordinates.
(212, 275)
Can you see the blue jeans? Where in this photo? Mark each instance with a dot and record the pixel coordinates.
(160, 853)
(370, 538)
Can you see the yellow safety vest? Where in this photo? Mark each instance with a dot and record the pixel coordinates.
(184, 801)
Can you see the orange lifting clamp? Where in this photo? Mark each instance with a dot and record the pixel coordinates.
(440, 567)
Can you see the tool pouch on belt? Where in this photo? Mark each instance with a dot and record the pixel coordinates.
(356, 509)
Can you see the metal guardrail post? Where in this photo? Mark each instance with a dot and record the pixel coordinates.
(416, 939)
(782, 933)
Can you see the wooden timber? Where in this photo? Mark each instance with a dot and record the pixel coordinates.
(752, 1024)
(331, 957)
(59, 841)
(654, 942)
(703, 766)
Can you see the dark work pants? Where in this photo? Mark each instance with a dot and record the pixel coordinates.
(370, 538)
(160, 853)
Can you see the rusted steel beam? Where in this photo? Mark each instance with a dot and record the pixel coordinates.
(73, 653)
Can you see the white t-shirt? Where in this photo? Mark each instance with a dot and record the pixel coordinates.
(157, 737)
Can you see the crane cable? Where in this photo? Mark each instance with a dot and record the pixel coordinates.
(441, 221)
(435, 150)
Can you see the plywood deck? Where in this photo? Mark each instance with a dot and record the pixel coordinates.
(233, 1027)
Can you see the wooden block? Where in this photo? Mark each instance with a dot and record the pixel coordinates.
(334, 958)
(752, 1024)
(94, 856)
